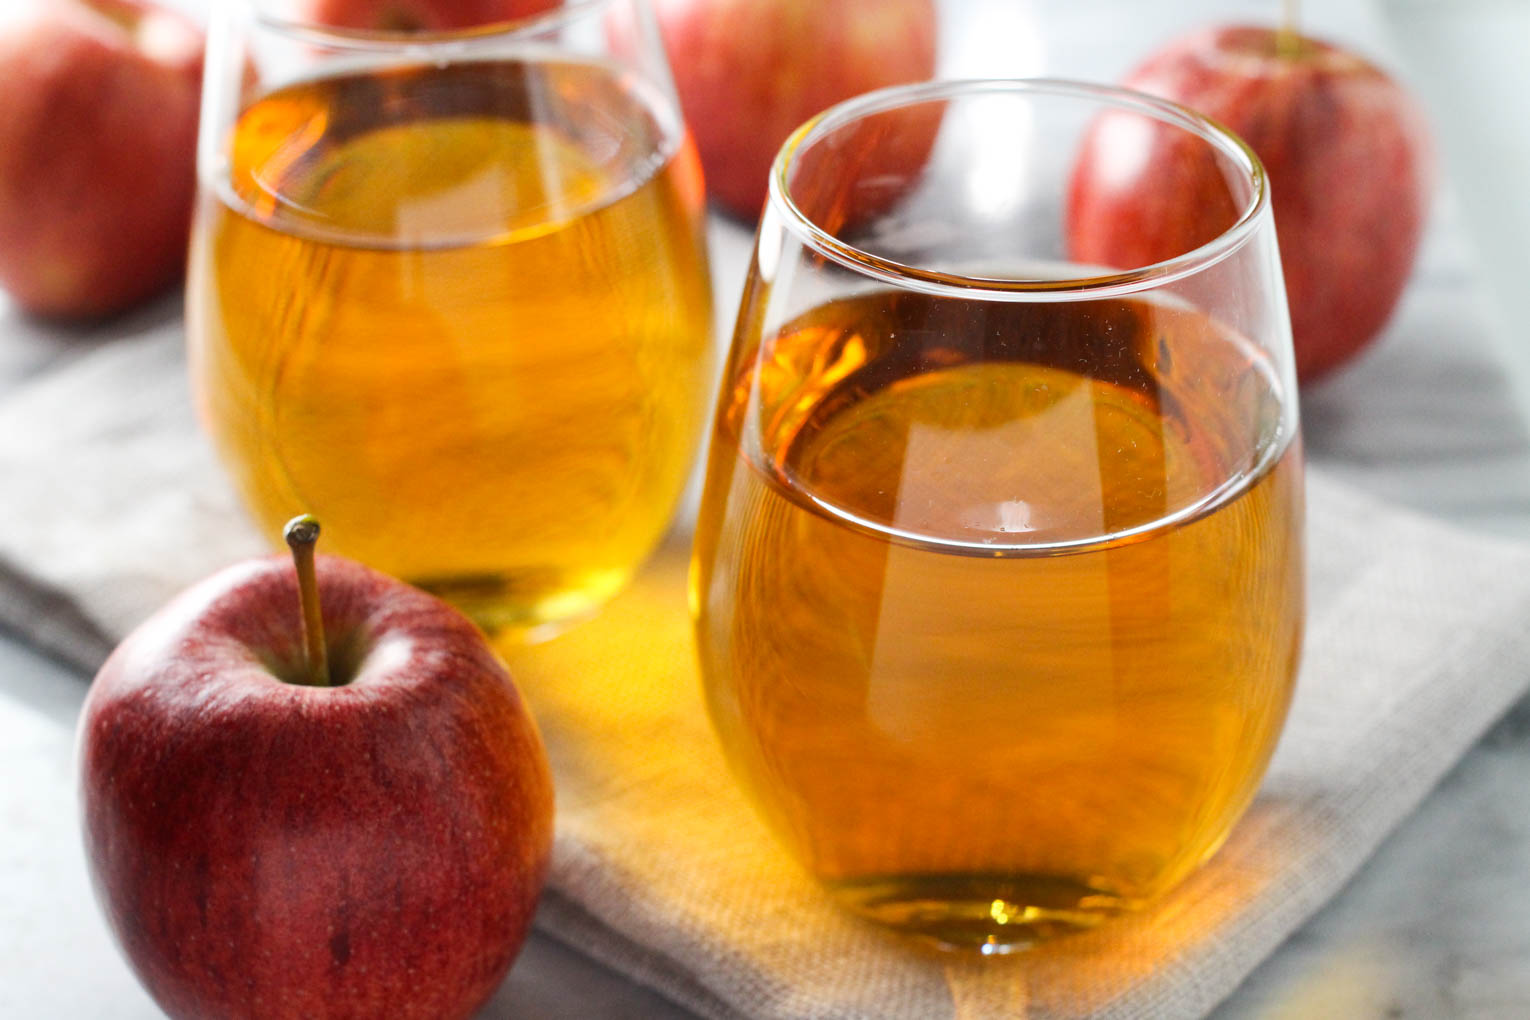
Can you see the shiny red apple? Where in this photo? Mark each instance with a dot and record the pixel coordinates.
(417, 15)
(98, 125)
(264, 847)
(1349, 162)
(748, 72)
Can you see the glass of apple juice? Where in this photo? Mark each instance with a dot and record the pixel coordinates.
(448, 291)
(998, 575)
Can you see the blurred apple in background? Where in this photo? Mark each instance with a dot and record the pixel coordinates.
(98, 126)
(1350, 169)
(264, 847)
(416, 15)
(748, 72)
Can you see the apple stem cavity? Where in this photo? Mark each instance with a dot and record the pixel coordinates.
(302, 533)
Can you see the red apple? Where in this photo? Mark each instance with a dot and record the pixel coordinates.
(97, 152)
(1349, 164)
(748, 72)
(267, 848)
(417, 15)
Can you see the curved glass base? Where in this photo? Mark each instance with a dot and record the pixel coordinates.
(526, 607)
(990, 914)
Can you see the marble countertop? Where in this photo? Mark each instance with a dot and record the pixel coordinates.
(1436, 924)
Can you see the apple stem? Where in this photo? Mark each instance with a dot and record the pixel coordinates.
(302, 533)
(1288, 40)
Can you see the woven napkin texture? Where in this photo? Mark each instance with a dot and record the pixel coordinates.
(1417, 641)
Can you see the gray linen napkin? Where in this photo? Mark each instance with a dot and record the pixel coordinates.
(111, 502)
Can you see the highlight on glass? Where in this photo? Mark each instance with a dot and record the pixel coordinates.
(449, 292)
(998, 576)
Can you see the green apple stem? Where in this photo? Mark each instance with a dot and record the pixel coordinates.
(302, 533)
(1288, 40)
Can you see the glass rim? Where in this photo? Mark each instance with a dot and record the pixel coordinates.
(378, 40)
(907, 276)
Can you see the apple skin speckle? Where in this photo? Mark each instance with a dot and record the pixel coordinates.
(748, 72)
(262, 848)
(98, 127)
(1349, 162)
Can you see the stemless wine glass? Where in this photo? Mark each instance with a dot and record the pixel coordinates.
(448, 292)
(998, 575)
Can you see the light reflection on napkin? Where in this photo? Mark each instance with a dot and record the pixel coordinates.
(111, 502)
(663, 871)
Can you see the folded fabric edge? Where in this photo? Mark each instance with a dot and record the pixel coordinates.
(1488, 664)
(571, 925)
(50, 621)
(1359, 832)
